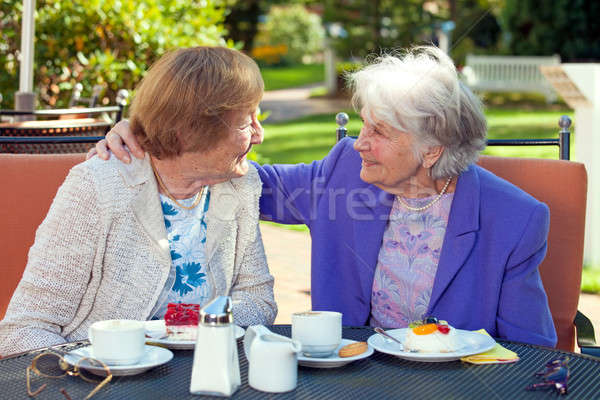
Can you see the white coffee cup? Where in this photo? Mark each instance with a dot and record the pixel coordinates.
(117, 341)
(320, 332)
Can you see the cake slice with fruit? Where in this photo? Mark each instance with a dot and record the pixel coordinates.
(181, 321)
(431, 336)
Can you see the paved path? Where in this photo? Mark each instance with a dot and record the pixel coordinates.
(294, 103)
(288, 254)
(589, 304)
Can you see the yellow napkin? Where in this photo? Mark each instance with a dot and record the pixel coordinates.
(497, 355)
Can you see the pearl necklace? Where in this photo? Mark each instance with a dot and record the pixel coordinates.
(425, 207)
(197, 198)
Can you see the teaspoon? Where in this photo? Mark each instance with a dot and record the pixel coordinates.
(388, 336)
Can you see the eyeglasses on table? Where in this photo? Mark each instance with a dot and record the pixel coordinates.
(52, 365)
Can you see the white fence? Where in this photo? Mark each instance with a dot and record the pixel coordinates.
(509, 74)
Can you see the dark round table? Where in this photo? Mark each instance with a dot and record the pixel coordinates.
(380, 376)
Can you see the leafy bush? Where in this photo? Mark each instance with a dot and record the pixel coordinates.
(294, 28)
(108, 42)
(342, 70)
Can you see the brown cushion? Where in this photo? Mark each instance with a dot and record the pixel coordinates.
(562, 185)
(29, 183)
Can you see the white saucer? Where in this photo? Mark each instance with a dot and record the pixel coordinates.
(333, 361)
(473, 343)
(156, 329)
(153, 357)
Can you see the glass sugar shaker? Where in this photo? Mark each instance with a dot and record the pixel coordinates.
(216, 369)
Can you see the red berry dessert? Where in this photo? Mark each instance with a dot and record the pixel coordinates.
(181, 321)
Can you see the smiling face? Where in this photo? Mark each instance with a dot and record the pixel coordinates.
(229, 156)
(186, 174)
(389, 161)
(228, 159)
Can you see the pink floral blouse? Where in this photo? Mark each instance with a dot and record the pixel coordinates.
(408, 261)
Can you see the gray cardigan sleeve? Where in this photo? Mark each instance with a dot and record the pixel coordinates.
(58, 269)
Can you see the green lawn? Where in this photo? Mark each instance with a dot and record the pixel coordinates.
(292, 76)
(590, 280)
(310, 138)
(534, 124)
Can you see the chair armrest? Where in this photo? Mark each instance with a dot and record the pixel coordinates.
(586, 339)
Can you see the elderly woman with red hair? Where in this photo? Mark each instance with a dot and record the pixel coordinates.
(178, 225)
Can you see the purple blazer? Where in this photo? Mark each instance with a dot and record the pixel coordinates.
(487, 275)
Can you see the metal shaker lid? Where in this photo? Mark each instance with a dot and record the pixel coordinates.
(217, 311)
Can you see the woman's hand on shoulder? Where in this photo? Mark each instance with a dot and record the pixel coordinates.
(116, 140)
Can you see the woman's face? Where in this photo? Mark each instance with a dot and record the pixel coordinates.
(388, 159)
(227, 160)
(229, 156)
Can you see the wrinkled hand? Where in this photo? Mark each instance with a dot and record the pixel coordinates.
(115, 141)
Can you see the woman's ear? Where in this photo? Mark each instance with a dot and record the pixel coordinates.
(431, 156)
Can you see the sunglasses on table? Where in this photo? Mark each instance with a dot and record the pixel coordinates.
(50, 364)
(555, 375)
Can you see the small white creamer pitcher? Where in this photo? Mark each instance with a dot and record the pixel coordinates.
(272, 360)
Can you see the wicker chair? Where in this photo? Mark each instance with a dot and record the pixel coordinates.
(63, 133)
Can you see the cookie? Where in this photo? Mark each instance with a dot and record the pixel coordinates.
(353, 349)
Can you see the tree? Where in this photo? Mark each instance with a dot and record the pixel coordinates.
(108, 42)
(372, 26)
(242, 21)
(544, 27)
(477, 28)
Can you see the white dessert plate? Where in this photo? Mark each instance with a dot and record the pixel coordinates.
(153, 357)
(333, 361)
(472, 343)
(156, 330)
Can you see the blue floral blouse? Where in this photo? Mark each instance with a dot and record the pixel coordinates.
(186, 231)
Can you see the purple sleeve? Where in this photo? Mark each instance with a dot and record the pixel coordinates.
(527, 321)
(291, 192)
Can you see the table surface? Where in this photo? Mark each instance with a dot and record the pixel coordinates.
(379, 376)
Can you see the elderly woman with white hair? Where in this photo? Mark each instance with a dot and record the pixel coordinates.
(404, 224)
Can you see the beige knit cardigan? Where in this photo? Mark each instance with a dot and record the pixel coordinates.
(102, 252)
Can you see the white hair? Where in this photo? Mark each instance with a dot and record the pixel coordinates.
(418, 92)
